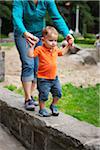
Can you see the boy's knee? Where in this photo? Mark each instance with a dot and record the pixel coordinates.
(43, 97)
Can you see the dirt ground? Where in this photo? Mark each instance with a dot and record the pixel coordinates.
(68, 71)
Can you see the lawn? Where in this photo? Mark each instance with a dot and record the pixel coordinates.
(86, 45)
(81, 103)
(8, 44)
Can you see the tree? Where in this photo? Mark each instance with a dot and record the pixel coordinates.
(5, 9)
(5, 15)
(87, 16)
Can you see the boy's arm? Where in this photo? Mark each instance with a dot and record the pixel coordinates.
(31, 51)
(65, 49)
(66, 46)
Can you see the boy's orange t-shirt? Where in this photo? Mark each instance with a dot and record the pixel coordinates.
(47, 61)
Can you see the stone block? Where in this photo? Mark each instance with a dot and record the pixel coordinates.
(39, 141)
(2, 66)
(27, 133)
(4, 114)
(52, 133)
(52, 145)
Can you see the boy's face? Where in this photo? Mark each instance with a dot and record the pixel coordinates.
(50, 41)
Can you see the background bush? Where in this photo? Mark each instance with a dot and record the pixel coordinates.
(84, 41)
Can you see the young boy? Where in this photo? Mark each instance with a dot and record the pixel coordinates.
(47, 79)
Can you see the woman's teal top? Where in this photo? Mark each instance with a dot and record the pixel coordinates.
(29, 17)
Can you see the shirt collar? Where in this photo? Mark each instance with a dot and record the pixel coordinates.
(48, 49)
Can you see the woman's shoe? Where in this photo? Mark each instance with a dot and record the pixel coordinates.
(34, 101)
(29, 105)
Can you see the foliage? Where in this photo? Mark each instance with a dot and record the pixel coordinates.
(11, 87)
(15, 89)
(88, 19)
(19, 91)
(3, 36)
(8, 44)
(89, 15)
(5, 16)
(90, 36)
(60, 38)
(85, 41)
(86, 45)
(5, 9)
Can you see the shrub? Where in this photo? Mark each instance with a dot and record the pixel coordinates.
(60, 38)
(90, 36)
(3, 36)
(11, 87)
(85, 41)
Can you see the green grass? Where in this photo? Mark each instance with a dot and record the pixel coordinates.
(86, 45)
(81, 103)
(8, 44)
(10, 87)
(15, 89)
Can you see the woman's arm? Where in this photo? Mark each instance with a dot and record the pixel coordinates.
(59, 21)
(17, 16)
(57, 18)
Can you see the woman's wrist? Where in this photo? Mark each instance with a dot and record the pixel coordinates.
(25, 34)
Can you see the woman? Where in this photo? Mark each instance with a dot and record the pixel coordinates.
(29, 21)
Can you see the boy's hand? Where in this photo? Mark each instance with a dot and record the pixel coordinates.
(64, 43)
(31, 51)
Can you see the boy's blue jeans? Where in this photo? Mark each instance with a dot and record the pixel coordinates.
(29, 65)
(45, 86)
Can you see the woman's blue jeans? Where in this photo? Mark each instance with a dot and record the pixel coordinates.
(29, 65)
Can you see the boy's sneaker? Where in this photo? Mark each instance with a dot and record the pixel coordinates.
(29, 105)
(44, 113)
(34, 101)
(54, 110)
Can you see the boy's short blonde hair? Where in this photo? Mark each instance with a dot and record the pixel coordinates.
(48, 31)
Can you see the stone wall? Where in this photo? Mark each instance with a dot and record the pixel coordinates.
(52, 133)
(2, 66)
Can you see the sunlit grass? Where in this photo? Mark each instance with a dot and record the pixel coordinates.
(8, 44)
(86, 45)
(81, 103)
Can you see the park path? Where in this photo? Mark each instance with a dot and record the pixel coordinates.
(68, 71)
(8, 141)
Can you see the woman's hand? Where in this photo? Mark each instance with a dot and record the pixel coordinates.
(31, 39)
(70, 39)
